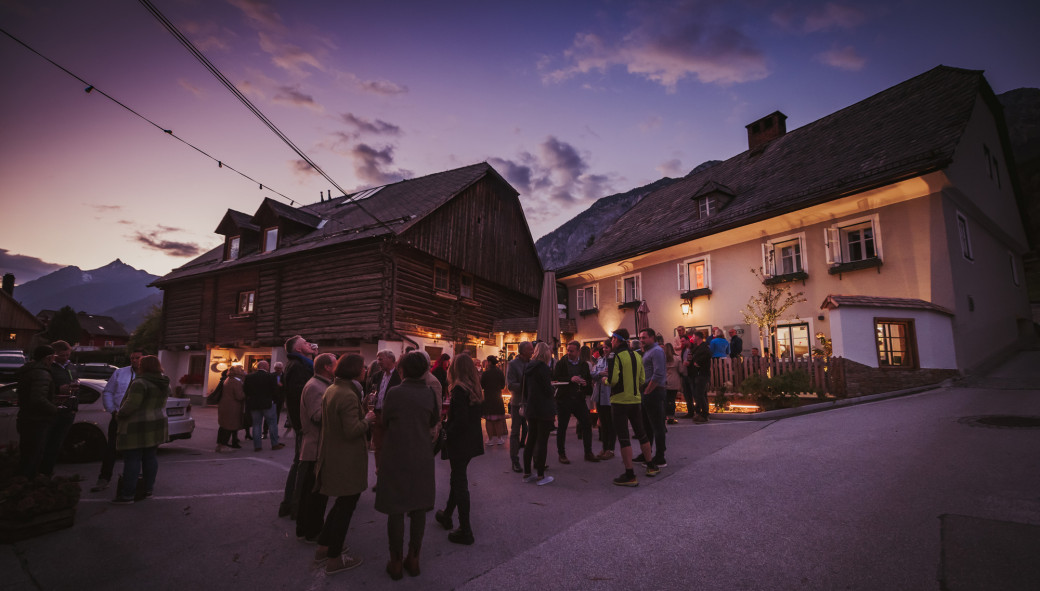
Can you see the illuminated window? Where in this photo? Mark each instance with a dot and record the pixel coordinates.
(246, 299)
(896, 342)
(792, 341)
(233, 243)
(694, 274)
(270, 239)
(783, 256)
(441, 278)
(466, 286)
(587, 298)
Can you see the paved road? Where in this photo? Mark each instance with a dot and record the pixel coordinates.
(896, 494)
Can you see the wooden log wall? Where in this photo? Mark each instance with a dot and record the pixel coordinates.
(477, 230)
(182, 313)
(230, 327)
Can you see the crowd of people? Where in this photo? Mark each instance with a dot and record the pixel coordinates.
(405, 411)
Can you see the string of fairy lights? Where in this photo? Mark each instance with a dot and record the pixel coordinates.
(90, 88)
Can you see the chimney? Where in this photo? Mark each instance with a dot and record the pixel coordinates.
(765, 130)
(9, 284)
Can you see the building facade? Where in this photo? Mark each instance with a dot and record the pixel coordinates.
(895, 217)
(429, 263)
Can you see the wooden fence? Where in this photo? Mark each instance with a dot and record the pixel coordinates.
(827, 375)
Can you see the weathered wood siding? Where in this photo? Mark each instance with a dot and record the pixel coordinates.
(182, 313)
(419, 309)
(478, 230)
(229, 326)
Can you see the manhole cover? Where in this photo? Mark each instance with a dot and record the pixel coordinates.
(1003, 421)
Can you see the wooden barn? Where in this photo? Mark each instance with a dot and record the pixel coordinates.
(430, 262)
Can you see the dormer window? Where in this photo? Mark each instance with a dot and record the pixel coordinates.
(707, 206)
(232, 248)
(270, 239)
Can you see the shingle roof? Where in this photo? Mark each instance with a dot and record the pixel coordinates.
(904, 131)
(393, 209)
(236, 219)
(836, 301)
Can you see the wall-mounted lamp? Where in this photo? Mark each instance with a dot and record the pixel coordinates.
(482, 342)
(685, 307)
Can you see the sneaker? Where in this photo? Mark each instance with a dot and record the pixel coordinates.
(102, 484)
(606, 454)
(220, 448)
(660, 463)
(652, 470)
(590, 457)
(699, 419)
(516, 466)
(530, 478)
(564, 460)
(341, 563)
(122, 501)
(148, 494)
(235, 446)
(626, 480)
(545, 480)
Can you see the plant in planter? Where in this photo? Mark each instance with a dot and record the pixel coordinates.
(720, 402)
(30, 507)
(777, 392)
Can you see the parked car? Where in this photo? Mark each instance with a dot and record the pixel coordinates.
(87, 438)
(10, 361)
(97, 371)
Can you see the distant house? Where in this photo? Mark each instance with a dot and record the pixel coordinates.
(895, 216)
(99, 332)
(18, 326)
(429, 263)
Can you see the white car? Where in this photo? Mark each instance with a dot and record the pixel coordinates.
(10, 361)
(87, 438)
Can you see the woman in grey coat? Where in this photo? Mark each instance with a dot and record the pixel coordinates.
(406, 482)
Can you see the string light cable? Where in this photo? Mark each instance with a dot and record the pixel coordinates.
(90, 88)
(169, 26)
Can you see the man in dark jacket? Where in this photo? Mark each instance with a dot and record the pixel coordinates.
(698, 373)
(260, 388)
(298, 371)
(37, 412)
(518, 424)
(570, 400)
(387, 377)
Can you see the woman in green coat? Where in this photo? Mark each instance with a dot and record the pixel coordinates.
(142, 428)
(342, 465)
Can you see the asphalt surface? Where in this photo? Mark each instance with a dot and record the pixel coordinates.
(909, 492)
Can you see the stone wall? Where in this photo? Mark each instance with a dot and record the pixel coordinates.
(861, 380)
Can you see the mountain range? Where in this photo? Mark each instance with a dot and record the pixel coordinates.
(117, 290)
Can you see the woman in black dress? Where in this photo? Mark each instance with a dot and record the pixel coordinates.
(465, 442)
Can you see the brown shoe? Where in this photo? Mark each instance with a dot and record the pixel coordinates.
(411, 564)
(606, 454)
(341, 563)
(395, 567)
(564, 460)
(590, 457)
(277, 447)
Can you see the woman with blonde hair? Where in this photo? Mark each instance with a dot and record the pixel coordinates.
(540, 411)
(465, 442)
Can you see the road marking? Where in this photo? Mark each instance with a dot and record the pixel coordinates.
(223, 459)
(202, 496)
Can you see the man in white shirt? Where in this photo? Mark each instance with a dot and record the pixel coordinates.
(111, 398)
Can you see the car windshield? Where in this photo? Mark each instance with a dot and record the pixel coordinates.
(12, 357)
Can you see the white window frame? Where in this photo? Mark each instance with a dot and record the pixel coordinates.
(246, 301)
(707, 206)
(582, 296)
(836, 241)
(964, 237)
(683, 273)
(619, 288)
(769, 256)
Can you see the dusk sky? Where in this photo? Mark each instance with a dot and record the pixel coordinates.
(569, 100)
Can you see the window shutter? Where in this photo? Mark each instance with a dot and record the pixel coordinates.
(619, 290)
(684, 283)
(832, 245)
(595, 297)
(638, 288)
(580, 298)
(768, 262)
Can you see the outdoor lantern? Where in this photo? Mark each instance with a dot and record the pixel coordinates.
(685, 308)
